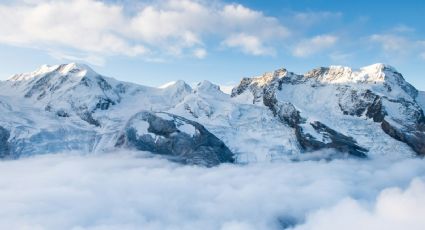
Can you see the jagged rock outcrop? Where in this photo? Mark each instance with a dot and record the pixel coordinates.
(176, 137)
(402, 120)
(4, 143)
(329, 139)
(359, 100)
(415, 138)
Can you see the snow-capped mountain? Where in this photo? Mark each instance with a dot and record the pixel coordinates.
(371, 112)
(354, 111)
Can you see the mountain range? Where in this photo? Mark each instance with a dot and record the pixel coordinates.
(328, 112)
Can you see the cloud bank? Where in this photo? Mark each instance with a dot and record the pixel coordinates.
(83, 28)
(133, 191)
(94, 31)
(393, 209)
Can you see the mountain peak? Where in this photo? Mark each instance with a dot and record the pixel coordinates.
(378, 67)
(174, 84)
(207, 86)
(75, 69)
(381, 77)
(176, 88)
(375, 73)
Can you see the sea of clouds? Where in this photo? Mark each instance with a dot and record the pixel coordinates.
(135, 191)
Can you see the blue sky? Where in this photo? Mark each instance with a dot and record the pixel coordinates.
(153, 42)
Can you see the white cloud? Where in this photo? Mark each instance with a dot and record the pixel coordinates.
(133, 191)
(390, 42)
(314, 17)
(237, 18)
(200, 53)
(248, 44)
(403, 29)
(401, 46)
(79, 24)
(314, 45)
(92, 27)
(340, 57)
(93, 59)
(394, 209)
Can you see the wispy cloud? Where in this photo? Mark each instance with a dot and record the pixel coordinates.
(398, 44)
(310, 18)
(93, 59)
(314, 45)
(200, 53)
(340, 57)
(391, 42)
(401, 28)
(248, 44)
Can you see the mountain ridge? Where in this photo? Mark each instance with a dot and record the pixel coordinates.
(277, 115)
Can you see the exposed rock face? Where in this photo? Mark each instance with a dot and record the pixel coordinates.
(414, 138)
(335, 139)
(4, 144)
(375, 110)
(243, 85)
(288, 114)
(330, 138)
(174, 136)
(360, 101)
(420, 99)
(402, 120)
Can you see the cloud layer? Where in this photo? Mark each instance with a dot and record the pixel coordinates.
(131, 191)
(162, 28)
(394, 209)
(95, 30)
